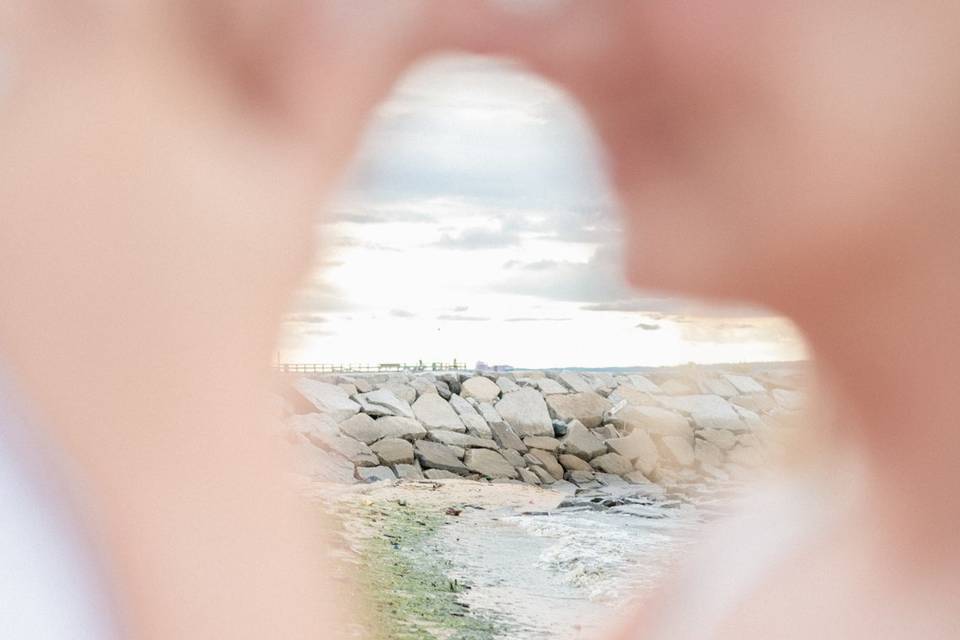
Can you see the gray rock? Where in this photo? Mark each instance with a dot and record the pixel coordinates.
(433, 455)
(408, 472)
(559, 428)
(439, 474)
(489, 413)
(353, 450)
(489, 464)
(564, 487)
(513, 457)
(443, 389)
(632, 395)
(393, 451)
(677, 451)
(611, 480)
(375, 474)
(507, 385)
(580, 442)
(548, 461)
(606, 432)
(720, 438)
(476, 425)
(362, 385)
(587, 407)
(461, 406)
(482, 388)
(612, 463)
(436, 413)
(455, 439)
(580, 477)
(542, 442)
(706, 411)
(506, 437)
(403, 391)
(639, 448)
(348, 388)
(529, 476)
(574, 382)
(573, 463)
(750, 419)
(526, 412)
(326, 398)
(384, 402)
(544, 475)
(450, 380)
(423, 386)
(460, 452)
(367, 430)
(550, 387)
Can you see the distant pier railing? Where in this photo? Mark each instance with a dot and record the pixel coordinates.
(384, 367)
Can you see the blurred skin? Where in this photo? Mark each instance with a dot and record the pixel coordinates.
(163, 162)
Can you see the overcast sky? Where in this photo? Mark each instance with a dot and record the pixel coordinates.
(477, 225)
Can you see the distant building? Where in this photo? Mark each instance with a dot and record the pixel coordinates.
(483, 366)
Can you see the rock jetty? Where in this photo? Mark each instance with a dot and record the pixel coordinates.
(559, 428)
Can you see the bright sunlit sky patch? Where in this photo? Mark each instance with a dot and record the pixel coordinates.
(477, 225)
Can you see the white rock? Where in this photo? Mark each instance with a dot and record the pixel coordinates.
(639, 448)
(643, 383)
(718, 386)
(677, 450)
(588, 407)
(476, 425)
(462, 406)
(652, 420)
(507, 385)
(384, 402)
(707, 453)
(526, 412)
(721, 438)
(574, 381)
(632, 395)
(550, 387)
(436, 413)
(327, 398)
(789, 400)
(479, 387)
(744, 384)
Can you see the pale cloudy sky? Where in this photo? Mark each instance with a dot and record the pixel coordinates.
(477, 225)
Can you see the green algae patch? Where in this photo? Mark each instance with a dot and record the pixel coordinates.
(404, 577)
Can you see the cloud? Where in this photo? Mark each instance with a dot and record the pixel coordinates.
(475, 239)
(538, 319)
(460, 309)
(460, 318)
(646, 326)
(402, 313)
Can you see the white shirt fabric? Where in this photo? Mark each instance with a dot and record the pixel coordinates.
(50, 588)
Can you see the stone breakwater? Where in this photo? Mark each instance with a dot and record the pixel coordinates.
(564, 429)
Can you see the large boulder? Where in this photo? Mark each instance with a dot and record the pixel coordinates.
(580, 442)
(353, 450)
(756, 402)
(393, 451)
(326, 398)
(408, 472)
(612, 463)
(587, 407)
(461, 406)
(639, 448)
(507, 385)
(481, 388)
(718, 387)
(573, 463)
(476, 425)
(489, 413)
(436, 413)
(643, 383)
(678, 387)
(542, 442)
(489, 464)
(433, 455)
(384, 402)
(526, 412)
(315, 427)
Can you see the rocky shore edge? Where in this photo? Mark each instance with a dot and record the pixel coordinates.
(563, 429)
